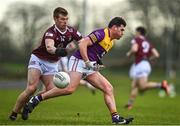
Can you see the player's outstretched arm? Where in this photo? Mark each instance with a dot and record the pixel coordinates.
(134, 49)
(155, 54)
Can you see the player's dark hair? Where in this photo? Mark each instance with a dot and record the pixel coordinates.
(141, 30)
(118, 21)
(59, 10)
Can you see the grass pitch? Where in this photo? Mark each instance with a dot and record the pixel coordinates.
(83, 108)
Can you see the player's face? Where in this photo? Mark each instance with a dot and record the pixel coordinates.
(61, 22)
(119, 31)
(137, 33)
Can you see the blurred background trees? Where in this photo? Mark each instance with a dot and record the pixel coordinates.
(6, 49)
(24, 23)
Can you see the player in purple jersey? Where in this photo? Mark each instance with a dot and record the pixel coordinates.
(86, 62)
(144, 52)
(44, 59)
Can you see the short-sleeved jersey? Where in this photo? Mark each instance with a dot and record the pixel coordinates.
(144, 49)
(61, 39)
(102, 43)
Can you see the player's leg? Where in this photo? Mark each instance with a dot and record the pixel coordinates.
(145, 85)
(165, 86)
(75, 78)
(134, 86)
(47, 85)
(33, 80)
(100, 82)
(54, 92)
(145, 69)
(151, 85)
(133, 94)
(141, 72)
(47, 81)
(89, 86)
(160, 85)
(47, 70)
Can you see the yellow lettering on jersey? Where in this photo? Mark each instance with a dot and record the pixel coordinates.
(93, 37)
(106, 43)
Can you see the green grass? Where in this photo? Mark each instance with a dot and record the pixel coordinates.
(148, 109)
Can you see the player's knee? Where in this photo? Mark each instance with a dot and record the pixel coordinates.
(142, 87)
(109, 89)
(49, 87)
(32, 86)
(31, 89)
(70, 90)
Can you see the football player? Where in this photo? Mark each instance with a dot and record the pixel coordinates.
(44, 59)
(144, 52)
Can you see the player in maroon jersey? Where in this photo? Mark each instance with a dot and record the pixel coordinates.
(44, 59)
(144, 52)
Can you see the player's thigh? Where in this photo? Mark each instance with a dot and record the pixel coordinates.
(33, 80)
(48, 81)
(75, 78)
(33, 76)
(142, 81)
(99, 81)
(134, 83)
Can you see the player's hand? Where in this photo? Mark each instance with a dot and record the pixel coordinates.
(62, 52)
(99, 67)
(93, 65)
(152, 61)
(128, 54)
(90, 65)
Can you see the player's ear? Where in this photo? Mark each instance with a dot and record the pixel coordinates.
(55, 19)
(114, 27)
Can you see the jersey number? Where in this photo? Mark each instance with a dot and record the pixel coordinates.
(145, 46)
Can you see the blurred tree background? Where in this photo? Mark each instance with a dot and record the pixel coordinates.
(23, 25)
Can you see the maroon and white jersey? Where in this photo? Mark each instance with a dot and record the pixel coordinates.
(144, 49)
(61, 39)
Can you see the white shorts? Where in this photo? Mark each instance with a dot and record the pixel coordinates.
(46, 67)
(63, 64)
(78, 65)
(142, 69)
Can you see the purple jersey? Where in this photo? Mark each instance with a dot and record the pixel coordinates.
(102, 43)
(144, 49)
(61, 39)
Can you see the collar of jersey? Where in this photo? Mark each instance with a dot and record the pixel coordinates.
(60, 30)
